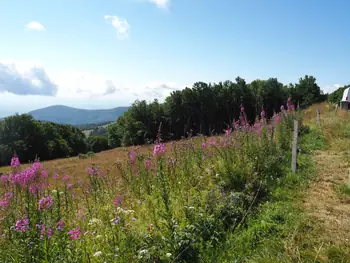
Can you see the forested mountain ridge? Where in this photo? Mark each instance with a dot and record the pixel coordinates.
(68, 115)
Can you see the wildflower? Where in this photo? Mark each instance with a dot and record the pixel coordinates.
(3, 178)
(228, 131)
(65, 178)
(34, 189)
(159, 149)
(95, 222)
(97, 254)
(212, 142)
(262, 114)
(147, 163)
(90, 171)
(115, 221)
(22, 225)
(49, 232)
(15, 162)
(44, 174)
(59, 225)
(133, 219)
(168, 255)
(118, 201)
(45, 202)
(132, 156)
(282, 108)
(150, 228)
(74, 233)
(204, 145)
(69, 186)
(242, 108)
(4, 202)
(278, 119)
(37, 165)
(8, 195)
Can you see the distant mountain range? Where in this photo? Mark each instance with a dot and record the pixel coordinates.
(68, 115)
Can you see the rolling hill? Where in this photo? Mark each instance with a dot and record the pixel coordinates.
(68, 115)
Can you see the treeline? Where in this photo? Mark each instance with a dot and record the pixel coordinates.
(28, 138)
(208, 108)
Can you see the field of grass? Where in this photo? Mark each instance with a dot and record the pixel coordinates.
(221, 199)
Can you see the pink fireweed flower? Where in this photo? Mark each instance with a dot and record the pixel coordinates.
(204, 145)
(262, 114)
(118, 201)
(49, 232)
(56, 176)
(60, 225)
(132, 156)
(69, 186)
(212, 142)
(37, 165)
(159, 149)
(8, 195)
(282, 108)
(43, 174)
(90, 171)
(65, 178)
(34, 189)
(4, 202)
(147, 163)
(22, 225)
(15, 162)
(45, 202)
(278, 119)
(3, 178)
(228, 131)
(74, 233)
(242, 109)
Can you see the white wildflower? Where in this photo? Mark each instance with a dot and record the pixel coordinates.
(98, 253)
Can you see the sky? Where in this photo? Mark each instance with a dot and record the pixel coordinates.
(106, 53)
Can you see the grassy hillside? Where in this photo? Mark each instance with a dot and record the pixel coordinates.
(67, 115)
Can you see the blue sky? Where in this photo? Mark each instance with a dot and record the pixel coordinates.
(107, 53)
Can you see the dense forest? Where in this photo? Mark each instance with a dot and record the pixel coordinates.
(206, 108)
(209, 108)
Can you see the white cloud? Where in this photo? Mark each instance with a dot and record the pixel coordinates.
(331, 88)
(29, 81)
(35, 26)
(164, 4)
(121, 25)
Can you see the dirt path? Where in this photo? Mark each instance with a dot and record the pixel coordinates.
(329, 210)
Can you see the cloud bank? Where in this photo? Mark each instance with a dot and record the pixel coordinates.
(35, 26)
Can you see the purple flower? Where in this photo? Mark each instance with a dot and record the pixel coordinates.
(37, 165)
(147, 163)
(44, 174)
(8, 195)
(4, 202)
(34, 189)
(228, 131)
(69, 186)
(74, 233)
(22, 225)
(242, 109)
(45, 202)
(133, 219)
(49, 232)
(262, 114)
(65, 178)
(212, 142)
(159, 149)
(115, 221)
(15, 162)
(3, 178)
(204, 145)
(59, 225)
(118, 201)
(132, 156)
(90, 171)
(56, 176)
(282, 108)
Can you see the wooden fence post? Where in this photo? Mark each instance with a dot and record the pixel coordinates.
(295, 145)
(319, 118)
